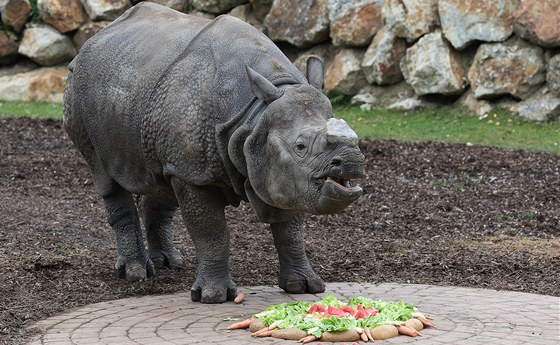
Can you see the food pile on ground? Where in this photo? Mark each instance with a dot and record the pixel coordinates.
(332, 320)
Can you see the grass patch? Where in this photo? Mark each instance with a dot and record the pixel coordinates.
(39, 110)
(443, 124)
(453, 124)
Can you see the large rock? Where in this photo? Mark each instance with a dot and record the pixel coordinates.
(324, 51)
(178, 5)
(542, 106)
(246, 14)
(63, 15)
(538, 22)
(411, 19)
(261, 7)
(216, 6)
(344, 76)
(383, 96)
(514, 67)
(22, 66)
(479, 107)
(353, 23)
(87, 31)
(432, 66)
(43, 84)
(46, 46)
(8, 48)
(465, 21)
(407, 104)
(553, 75)
(203, 14)
(105, 10)
(15, 13)
(381, 64)
(298, 22)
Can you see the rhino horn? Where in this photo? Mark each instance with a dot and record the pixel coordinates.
(262, 88)
(338, 129)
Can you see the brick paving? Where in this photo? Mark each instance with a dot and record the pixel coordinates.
(463, 315)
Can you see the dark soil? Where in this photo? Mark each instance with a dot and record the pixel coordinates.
(432, 213)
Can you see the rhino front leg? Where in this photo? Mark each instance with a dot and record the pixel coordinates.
(157, 219)
(133, 262)
(202, 209)
(296, 274)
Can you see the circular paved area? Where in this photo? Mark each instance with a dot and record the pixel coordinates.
(463, 316)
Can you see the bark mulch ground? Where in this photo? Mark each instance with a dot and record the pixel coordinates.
(432, 213)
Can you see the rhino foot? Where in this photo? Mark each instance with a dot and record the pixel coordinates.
(171, 259)
(305, 285)
(134, 271)
(213, 294)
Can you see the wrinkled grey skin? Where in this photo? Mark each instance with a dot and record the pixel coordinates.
(200, 114)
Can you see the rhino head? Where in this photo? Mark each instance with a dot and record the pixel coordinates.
(298, 157)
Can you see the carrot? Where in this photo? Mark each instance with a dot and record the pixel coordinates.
(425, 322)
(307, 339)
(241, 324)
(368, 333)
(265, 333)
(261, 331)
(364, 336)
(239, 298)
(419, 314)
(405, 330)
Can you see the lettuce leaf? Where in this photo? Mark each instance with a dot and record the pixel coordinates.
(331, 300)
(364, 301)
(293, 315)
(335, 324)
(290, 313)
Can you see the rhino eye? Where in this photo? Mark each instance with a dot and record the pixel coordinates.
(301, 148)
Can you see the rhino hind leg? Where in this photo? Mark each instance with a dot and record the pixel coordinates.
(296, 274)
(202, 209)
(157, 218)
(133, 262)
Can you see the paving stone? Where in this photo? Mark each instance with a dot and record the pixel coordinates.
(464, 316)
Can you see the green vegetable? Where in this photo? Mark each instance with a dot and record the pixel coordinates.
(364, 301)
(335, 324)
(290, 313)
(331, 300)
(295, 315)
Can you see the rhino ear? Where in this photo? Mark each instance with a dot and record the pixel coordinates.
(261, 87)
(315, 72)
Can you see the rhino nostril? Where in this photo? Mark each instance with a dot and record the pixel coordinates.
(336, 162)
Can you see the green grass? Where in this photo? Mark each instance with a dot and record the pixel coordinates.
(443, 124)
(453, 124)
(37, 110)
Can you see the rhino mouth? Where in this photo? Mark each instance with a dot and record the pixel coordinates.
(336, 194)
(340, 189)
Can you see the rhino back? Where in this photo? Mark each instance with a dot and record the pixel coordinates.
(114, 75)
(206, 87)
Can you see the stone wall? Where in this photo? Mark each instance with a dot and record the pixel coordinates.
(397, 54)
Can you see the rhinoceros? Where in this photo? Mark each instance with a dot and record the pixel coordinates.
(184, 112)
